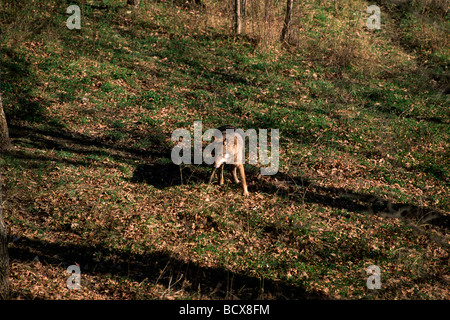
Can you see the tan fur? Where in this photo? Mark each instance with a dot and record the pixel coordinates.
(234, 151)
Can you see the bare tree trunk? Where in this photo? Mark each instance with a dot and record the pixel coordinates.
(287, 20)
(244, 13)
(244, 8)
(4, 257)
(237, 16)
(267, 21)
(134, 3)
(199, 3)
(5, 143)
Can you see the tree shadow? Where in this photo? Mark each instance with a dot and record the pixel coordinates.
(304, 190)
(160, 268)
(168, 174)
(295, 188)
(79, 144)
(23, 103)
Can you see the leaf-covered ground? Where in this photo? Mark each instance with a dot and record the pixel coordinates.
(364, 163)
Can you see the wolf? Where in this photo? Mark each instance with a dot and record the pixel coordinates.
(232, 153)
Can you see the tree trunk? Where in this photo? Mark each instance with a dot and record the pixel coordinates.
(4, 258)
(287, 20)
(244, 8)
(237, 16)
(5, 143)
(134, 3)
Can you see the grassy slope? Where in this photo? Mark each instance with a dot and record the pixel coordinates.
(364, 128)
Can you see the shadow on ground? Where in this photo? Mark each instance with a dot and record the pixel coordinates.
(158, 268)
(165, 175)
(295, 188)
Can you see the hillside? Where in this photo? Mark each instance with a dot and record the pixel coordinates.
(364, 150)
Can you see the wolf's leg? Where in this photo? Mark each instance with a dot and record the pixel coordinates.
(244, 183)
(235, 174)
(212, 175)
(221, 174)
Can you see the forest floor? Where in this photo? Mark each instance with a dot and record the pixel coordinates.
(364, 154)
